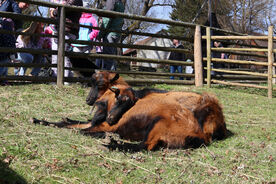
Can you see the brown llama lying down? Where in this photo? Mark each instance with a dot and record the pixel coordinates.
(143, 111)
(205, 108)
(162, 119)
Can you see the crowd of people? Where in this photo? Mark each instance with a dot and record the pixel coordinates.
(32, 38)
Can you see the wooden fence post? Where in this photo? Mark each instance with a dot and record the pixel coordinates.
(61, 48)
(208, 46)
(198, 58)
(270, 61)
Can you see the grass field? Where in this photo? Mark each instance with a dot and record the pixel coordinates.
(38, 154)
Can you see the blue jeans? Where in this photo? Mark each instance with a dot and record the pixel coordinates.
(28, 58)
(173, 68)
(109, 64)
(4, 70)
(99, 62)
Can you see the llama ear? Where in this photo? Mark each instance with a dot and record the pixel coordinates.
(115, 90)
(116, 77)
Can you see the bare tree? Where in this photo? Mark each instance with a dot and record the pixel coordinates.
(143, 8)
(250, 16)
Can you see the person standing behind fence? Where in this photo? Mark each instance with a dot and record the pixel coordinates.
(86, 34)
(218, 55)
(178, 57)
(14, 7)
(115, 24)
(6, 40)
(32, 41)
(71, 32)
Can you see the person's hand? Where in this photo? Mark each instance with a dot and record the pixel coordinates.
(23, 5)
(52, 13)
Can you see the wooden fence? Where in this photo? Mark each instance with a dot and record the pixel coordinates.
(241, 51)
(61, 53)
(161, 77)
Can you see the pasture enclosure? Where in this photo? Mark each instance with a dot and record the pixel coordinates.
(266, 53)
(37, 154)
(202, 46)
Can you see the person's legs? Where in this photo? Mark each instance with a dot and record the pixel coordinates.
(25, 58)
(37, 59)
(54, 57)
(172, 70)
(67, 63)
(109, 64)
(4, 70)
(99, 62)
(179, 70)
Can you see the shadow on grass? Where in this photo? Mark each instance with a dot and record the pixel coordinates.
(8, 176)
(247, 90)
(124, 147)
(136, 147)
(229, 134)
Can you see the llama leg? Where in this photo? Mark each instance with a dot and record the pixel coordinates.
(100, 114)
(65, 123)
(77, 124)
(98, 118)
(153, 136)
(152, 143)
(103, 127)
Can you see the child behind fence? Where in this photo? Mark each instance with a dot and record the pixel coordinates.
(86, 34)
(33, 41)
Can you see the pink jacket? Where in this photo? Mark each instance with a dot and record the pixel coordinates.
(88, 19)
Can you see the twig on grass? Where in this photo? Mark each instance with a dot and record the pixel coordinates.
(64, 179)
(249, 176)
(144, 169)
(211, 153)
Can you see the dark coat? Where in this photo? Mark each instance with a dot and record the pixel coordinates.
(115, 23)
(6, 40)
(9, 6)
(177, 55)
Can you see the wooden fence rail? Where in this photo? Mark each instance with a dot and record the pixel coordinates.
(270, 63)
(239, 61)
(93, 56)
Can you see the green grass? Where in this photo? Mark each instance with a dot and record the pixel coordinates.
(38, 154)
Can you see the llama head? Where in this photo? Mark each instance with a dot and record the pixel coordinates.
(125, 99)
(100, 82)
